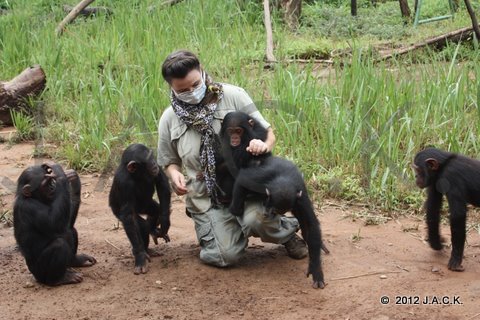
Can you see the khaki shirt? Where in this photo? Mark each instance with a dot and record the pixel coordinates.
(180, 145)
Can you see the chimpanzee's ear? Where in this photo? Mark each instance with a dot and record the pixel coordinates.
(251, 122)
(27, 191)
(299, 194)
(132, 166)
(432, 164)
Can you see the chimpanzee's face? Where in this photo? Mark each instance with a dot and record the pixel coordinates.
(238, 128)
(425, 173)
(140, 161)
(39, 182)
(152, 165)
(235, 134)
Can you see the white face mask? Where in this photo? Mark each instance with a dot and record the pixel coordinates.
(194, 96)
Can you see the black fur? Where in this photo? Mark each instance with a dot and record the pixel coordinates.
(458, 178)
(275, 179)
(131, 195)
(44, 215)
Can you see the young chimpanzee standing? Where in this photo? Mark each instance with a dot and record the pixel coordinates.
(457, 177)
(277, 179)
(134, 184)
(44, 214)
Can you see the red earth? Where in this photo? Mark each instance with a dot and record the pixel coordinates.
(366, 263)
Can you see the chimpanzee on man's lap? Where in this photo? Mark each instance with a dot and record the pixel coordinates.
(277, 179)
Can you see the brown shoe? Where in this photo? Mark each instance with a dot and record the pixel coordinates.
(296, 247)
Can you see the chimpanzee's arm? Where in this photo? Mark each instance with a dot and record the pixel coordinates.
(75, 194)
(164, 196)
(237, 206)
(458, 220)
(433, 206)
(303, 211)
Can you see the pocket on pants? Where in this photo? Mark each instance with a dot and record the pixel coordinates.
(205, 234)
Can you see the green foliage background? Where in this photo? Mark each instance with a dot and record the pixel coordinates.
(352, 128)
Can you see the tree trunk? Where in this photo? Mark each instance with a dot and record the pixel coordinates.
(292, 11)
(474, 19)
(270, 58)
(353, 7)
(404, 8)
(15, 93)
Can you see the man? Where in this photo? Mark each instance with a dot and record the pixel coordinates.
(186, 140)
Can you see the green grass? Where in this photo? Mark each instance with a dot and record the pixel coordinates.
(353, 132)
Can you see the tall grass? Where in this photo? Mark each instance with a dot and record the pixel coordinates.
(353, 133)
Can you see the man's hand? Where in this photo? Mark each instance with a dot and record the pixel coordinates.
(257, 147)
(177, 179)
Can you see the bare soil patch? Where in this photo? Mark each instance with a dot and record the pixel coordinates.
(366, 263)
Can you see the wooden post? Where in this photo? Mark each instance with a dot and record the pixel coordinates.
(268, 28)
(404, 8)
(13, 93)
(72, 15)
(476, 29)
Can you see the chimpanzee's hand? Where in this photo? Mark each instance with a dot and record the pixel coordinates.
(158, 233)
(71, 174)
(317, 276)
(436, 243)
(200, 176)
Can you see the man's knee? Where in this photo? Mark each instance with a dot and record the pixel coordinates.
(254, 216)
(221, 257)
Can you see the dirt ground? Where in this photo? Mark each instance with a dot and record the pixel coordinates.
(365, 264)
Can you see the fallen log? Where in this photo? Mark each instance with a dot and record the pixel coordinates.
(14, 94)
(437, 42)
(89, 12)
(72, 15)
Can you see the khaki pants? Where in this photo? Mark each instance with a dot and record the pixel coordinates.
(224, 237)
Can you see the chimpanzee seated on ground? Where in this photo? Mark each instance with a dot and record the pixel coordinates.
(458, 178)
(277, 179)
(44, 214)
(136, 179)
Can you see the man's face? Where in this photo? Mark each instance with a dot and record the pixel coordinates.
(191, 81)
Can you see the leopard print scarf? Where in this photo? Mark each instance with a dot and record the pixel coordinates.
(199, 118)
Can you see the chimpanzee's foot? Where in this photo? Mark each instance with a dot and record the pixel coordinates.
(141, 263)
(455, 264)
(70, 277)
(83, 260)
